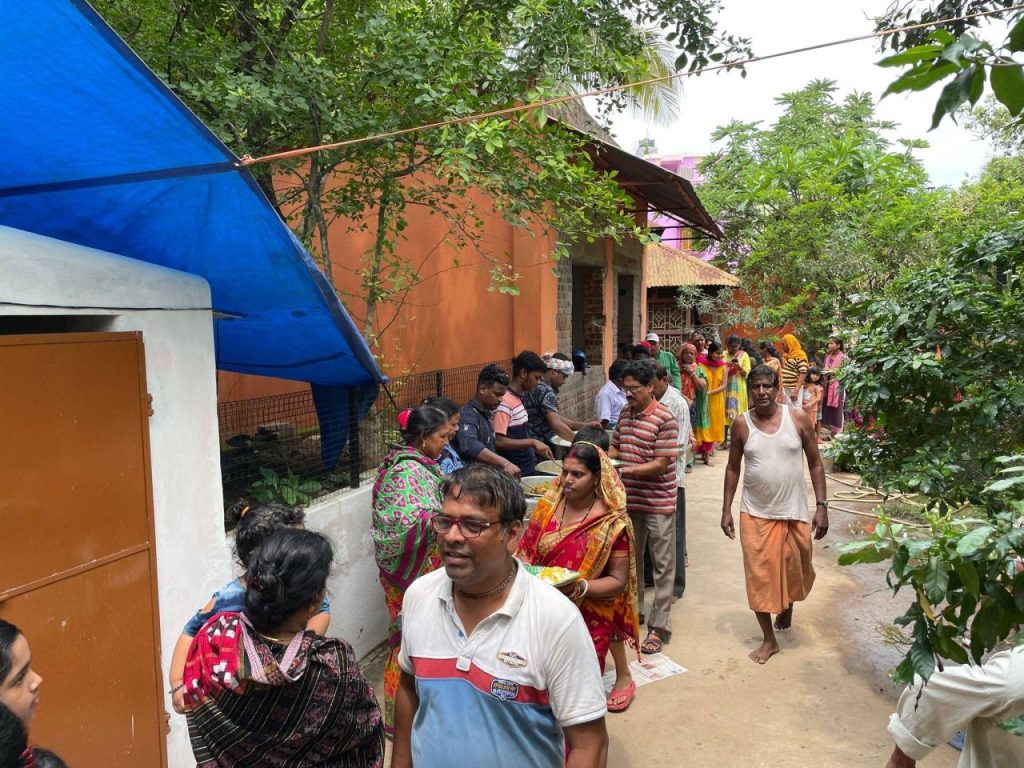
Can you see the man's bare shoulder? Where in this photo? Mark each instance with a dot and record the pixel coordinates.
(800, 418)
(739, 429)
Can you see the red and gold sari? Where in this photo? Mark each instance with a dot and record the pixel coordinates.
(587, 547)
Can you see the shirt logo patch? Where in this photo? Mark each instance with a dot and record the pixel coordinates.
(512, 659)
(504, 690)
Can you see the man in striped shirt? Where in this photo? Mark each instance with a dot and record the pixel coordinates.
(646, 440)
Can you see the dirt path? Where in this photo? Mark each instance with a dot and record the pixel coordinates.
(823, 701)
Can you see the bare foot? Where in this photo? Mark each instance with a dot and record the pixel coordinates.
(763, 652)
(785, 619)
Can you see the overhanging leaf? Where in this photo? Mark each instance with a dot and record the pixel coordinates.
(936, 579)
(1008, 86)
(953, 95)
(1015, 40)
(970, 543)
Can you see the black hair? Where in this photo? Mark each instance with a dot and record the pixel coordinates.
(491, 375)
(487, 486)
(589, 456)
(13, 738)
(616, 368)
(527, 361)
(423, 420)
(442, 404)
(815, 371)
(640, 371)
(748, 346)
(561, 356)
(595, 435)
(8, 634)
(763, 372)
(733, 339)
(260, 521)
(286, 573)
(713, 347)
(640, 349)
(660, 371)
(44, 758)
(838, 340)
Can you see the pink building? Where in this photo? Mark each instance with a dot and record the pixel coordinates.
(675, 233)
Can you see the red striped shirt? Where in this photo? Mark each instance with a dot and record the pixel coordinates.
(642, 438)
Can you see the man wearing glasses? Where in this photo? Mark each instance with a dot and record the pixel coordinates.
(646, 439)
(497, 667)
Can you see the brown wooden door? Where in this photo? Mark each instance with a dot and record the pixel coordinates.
(77, 556)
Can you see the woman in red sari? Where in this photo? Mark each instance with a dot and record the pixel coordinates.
(581, 524)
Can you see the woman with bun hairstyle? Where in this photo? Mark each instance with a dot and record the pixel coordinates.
(406, 495)
(261, 689)
(255, 524)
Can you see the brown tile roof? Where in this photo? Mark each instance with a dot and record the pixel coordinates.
(668, 266)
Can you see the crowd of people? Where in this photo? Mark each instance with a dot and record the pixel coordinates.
(488, 665)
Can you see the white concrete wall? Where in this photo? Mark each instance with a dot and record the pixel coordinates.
(358, 614)
(193, 555)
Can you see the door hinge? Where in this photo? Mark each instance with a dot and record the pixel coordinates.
(149, 403)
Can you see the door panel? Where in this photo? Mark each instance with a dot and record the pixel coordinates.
(78, 571)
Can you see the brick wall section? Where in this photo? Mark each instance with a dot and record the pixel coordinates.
(594, 314)
(576, 398)
(563, 321)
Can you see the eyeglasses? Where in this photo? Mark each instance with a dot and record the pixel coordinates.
(633, 389)
(468, 527)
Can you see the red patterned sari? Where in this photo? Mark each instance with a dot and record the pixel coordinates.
(587, 547)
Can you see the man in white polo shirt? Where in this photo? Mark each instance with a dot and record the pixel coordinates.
(498, 668)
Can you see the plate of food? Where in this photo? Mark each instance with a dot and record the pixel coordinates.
(554, 575)
(550, 467)
(537, 485)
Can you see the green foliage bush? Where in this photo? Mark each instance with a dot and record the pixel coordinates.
(936, 372)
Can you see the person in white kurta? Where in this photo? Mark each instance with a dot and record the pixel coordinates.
(974, 699)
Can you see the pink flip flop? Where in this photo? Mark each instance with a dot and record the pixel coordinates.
(619, 701)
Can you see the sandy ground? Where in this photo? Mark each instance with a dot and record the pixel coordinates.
(823, 701)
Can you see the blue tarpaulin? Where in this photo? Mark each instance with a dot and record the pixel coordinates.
(96, 150)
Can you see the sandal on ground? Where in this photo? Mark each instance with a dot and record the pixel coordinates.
(619, 701)
(653, 643)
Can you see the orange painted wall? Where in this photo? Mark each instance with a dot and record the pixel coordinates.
(450, 319)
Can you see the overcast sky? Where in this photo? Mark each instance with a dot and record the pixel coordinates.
(715, 99)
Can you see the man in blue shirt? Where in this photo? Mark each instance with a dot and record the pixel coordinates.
(475, 438)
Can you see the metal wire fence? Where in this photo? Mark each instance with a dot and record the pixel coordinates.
(270, 447)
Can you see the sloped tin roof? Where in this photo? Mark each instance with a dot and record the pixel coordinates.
(667, 266)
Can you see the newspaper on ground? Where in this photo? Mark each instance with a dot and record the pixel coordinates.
(649, 669)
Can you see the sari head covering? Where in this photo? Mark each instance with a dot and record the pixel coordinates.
(586, 547)
(794, 350)
(246, 707)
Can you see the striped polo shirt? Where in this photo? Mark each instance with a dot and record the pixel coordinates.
(642, 438)
(791, 370)
(512, 420)
(502, 695)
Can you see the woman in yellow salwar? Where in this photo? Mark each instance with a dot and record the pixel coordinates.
(736, 388)
(709, 434)
(582, 524)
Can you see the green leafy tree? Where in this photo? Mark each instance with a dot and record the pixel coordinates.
(991, 122)
(286, 73)
(955, 50)
(936, 374)
(816, 207)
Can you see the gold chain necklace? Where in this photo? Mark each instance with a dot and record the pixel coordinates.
(490, 592)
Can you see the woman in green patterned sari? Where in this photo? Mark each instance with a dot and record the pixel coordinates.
(406, 496)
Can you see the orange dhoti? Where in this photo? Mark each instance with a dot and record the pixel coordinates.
(776, 562)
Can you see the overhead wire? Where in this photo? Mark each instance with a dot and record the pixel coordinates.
(286, 154)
